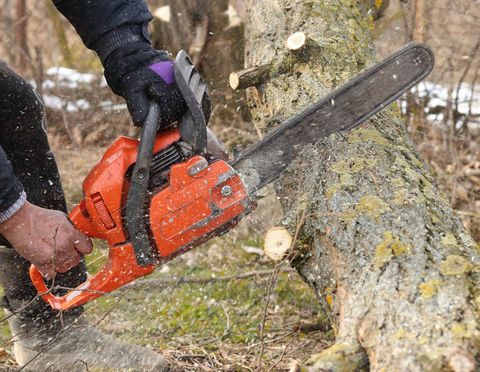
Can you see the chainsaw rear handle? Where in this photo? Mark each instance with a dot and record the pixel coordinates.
(122, 265)
(120, 269)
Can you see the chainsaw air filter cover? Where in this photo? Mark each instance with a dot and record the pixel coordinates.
(188, 200)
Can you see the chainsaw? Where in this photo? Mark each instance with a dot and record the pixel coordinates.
(155, 198)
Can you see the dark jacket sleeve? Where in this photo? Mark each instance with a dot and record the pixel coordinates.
(96, 21)
(10, 187)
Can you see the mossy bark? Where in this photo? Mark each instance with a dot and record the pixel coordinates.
(381, 246)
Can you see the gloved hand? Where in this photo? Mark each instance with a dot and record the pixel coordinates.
(139, 74)
(46, 238)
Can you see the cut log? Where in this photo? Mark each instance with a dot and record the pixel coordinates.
(380, 243)
(278, 242)
(163, 13)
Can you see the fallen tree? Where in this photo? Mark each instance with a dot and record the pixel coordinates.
(390, 261)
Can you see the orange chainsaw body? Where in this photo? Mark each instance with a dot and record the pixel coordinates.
(195, 201)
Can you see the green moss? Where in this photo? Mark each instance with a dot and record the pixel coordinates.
(417, 162)
(434, 218)
(401, 164)
(332, 190)
(431, 361)
(455, 265)
(361, 135)
(429, 288)
(97, 259)
(372, 206)
(428, 189)
(464, 330)
(459, 330)
(347, 168)
(399, 334)
(402, 333)
(341, 167)
(169, 317)
(399, 249)
(340, 357)
(401, 197)
(449, 240)
(388, 248)
(383, 252)
(348, 216)
(346, 180)
(476, 302)
(352, 165)
(399, 182)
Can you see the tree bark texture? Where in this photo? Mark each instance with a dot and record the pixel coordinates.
(390, 261)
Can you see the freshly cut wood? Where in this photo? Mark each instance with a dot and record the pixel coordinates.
(277, 243)
(163, 13)
(296, 41)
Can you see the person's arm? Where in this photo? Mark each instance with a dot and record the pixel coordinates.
(117, 31)
(107, 25)
(12, 196)
(44, 237)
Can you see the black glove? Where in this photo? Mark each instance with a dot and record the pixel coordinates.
(140, 74)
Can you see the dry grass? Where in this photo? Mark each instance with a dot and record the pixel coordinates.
(454, 159)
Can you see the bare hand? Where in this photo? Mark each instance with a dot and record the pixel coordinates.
(46, 238)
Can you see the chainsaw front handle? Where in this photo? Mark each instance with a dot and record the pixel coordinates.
(120, 269)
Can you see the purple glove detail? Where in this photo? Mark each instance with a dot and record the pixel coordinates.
(164, 69)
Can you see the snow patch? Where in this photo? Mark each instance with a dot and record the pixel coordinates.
(437, 97)
(67, 77)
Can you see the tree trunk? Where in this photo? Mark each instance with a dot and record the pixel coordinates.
(59, 29)
(388, 258)
(21, 35)
(203, 30)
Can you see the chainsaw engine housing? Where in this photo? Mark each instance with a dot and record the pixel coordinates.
(189, 198)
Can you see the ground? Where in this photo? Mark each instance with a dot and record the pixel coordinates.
(209, 326)
(215, 325)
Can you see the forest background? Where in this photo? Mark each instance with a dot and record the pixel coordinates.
(231, 309)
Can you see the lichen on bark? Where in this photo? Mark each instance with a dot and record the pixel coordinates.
(386, 254)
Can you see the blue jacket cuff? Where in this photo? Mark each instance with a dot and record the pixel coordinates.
(10, 211)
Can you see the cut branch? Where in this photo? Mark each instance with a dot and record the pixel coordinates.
(257, 75)
(296, 41)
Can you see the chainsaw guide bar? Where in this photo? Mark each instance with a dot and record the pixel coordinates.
(343, 109)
